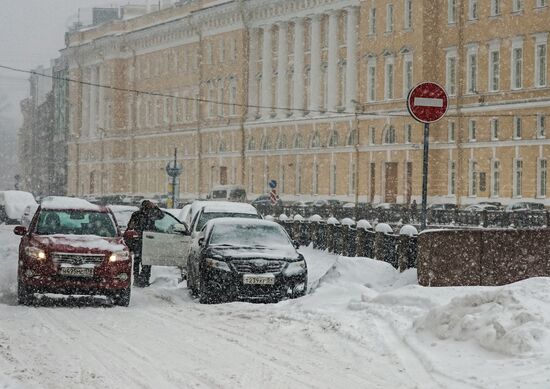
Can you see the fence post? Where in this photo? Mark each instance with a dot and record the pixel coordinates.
(332, 231)
(348, 244)
(381, 230)
(364, 245)
(408, 240)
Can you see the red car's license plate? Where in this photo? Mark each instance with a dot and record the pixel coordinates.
(76, 271)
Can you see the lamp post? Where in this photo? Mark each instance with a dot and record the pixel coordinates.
(357, 108)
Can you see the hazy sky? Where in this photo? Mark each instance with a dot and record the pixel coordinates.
(31, 33)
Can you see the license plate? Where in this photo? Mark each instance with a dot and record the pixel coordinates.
(77, 271)
(259, 279)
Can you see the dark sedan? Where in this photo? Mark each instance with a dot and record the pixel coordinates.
(245, 259)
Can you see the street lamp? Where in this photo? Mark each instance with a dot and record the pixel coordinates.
(358, 107)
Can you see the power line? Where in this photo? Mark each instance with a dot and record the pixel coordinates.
(259, 107)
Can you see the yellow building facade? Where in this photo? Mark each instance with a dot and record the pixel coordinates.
(312, 93)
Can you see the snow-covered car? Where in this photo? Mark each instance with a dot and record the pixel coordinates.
(481, 207)
(73, 247)
(441, 207)
(13, 204)
(524, 206)
(122, 213)
(179, 213)
(228, 192)
(246, 259)
(265, 201)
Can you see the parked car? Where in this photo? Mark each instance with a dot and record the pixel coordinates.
(13, 204)
(228, 193)
(246, 259)
(265, 201)
(523, 206)
(73, 247)
(481, 207)
(122, 213)
(441, 207)
(327, 203)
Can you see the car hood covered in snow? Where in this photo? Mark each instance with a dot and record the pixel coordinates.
(78, 243)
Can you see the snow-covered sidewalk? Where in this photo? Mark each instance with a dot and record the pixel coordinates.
(363, 325)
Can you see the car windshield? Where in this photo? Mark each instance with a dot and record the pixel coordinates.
(75, 222)
(250, 235)
(207, 216)
(219, 194)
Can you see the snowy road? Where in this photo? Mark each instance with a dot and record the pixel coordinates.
(363, 325)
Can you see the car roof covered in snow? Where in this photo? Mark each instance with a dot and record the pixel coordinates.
(61, 202)
(229, 207)
(233, 221)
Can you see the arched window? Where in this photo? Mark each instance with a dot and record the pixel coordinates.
(316, 139)
(282, 142)
(389, 135)
(333, 140)
(265, 145)
(352, 137)
(298, 142)
(222, 146)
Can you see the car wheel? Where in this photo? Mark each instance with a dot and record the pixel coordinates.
(122, 298)
(24, 295)
(205, 294)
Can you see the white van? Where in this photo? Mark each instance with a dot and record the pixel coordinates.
(228, 193)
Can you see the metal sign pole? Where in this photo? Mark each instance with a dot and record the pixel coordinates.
(425, 176)
(174, 178)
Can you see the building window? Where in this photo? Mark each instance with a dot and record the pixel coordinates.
(472, 190)
(518, 177)
(408, 15)
(316, 140)
(451, 11)
(389, 135)
(352, 178)
(372, 135)
(542, 3)
(352, 138)
(540, 65)
(517, 65)
(389, 18)
(472, 127)
(408, 133)
(221, 98)
(315, 179)
(451, 126)
(472, 70)
(333, 140)
(517, 5)
(371, 82)
(494, 129)
(541, 126)
(333, 177)
(451, 73)
(473, 10)
(494, 70)
(372, 21)
(495, 178)
(517, 127)
(232, 96)
(388, 79)
(298, 178)
(541, 178)
(407, 74)
(452, 178)
(495, 7)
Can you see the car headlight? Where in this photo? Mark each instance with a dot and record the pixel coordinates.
(119, 256)
(35, 252)
(215, 264)
(295, 268)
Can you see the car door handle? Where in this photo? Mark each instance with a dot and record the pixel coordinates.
(149, 236)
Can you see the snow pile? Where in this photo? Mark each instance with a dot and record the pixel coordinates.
(15, 202)
(501, 320)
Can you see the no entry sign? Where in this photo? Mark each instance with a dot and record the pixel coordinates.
(427, 102)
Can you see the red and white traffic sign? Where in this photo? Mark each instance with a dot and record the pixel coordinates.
(427, 102)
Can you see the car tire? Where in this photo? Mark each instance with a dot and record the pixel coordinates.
(24, 295)
(122, 298)
(205, 295)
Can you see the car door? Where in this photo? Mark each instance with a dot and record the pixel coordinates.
(166, 245)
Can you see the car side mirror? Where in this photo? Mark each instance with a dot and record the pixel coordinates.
(20, 230)
(130, 234)
(201, 241)
(181, 228)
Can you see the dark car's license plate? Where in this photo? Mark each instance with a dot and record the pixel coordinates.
(76, 271)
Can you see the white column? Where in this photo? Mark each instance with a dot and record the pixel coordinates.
(253, 98)
(351, 59)
(299, 66)
(92, 106)
(101, 96)
(282, 64)
(332, 86)
(315, 61)
(267, 73)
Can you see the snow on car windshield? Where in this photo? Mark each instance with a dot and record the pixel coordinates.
(248, 235)
(207, 216)
(75, 222)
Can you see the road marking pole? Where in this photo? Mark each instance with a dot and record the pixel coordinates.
(425, 176)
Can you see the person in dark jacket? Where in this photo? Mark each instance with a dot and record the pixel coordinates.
(142, 220)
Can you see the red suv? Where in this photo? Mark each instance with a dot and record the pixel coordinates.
(73, 247)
